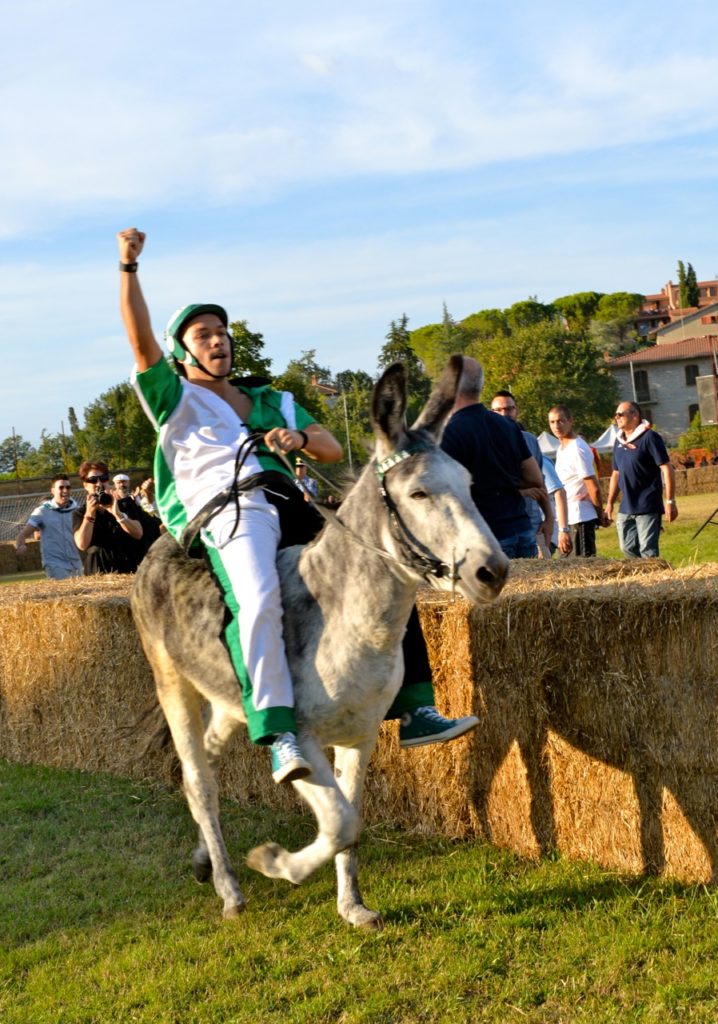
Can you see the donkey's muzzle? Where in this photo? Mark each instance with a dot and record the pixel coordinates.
(494, 574)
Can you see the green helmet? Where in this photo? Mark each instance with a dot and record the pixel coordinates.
(178, 322)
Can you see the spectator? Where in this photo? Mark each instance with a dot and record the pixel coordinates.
(642, 472)
(494, 451)
(102, 529)
(306, 483)
(145, 497)
(53, 520)
(577, 471)
(561, 536)
(151, 526)
(538, 506)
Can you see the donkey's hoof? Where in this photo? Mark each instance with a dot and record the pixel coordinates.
(201, 866)
(233, 910)
(362, 917)
(264, 859)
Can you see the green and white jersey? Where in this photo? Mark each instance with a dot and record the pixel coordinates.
(199, 436)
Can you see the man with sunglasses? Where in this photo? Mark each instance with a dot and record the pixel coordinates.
(53, 520)
(103, 528)
(641, 472)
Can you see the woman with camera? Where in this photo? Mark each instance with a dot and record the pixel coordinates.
(106, 527)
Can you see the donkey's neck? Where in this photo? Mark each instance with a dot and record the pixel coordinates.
(348, 576)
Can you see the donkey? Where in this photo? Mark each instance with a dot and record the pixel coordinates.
(347, 598)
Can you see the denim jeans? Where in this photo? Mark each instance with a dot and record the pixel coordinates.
(520, 545)
(638, 534)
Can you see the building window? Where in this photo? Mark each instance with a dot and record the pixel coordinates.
(692, 371)
(640, 382)
(692, 410)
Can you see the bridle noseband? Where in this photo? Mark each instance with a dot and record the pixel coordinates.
(417, 555)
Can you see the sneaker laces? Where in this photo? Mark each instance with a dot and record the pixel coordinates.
(430, 712)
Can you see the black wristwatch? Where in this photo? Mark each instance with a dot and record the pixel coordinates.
(129, 268)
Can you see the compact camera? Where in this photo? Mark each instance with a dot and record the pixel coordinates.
(103, 497)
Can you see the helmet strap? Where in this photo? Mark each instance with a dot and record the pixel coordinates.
(196, 362)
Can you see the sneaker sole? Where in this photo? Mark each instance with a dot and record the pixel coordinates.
(292, 772)
(460, 729)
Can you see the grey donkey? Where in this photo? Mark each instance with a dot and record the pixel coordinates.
(347, 598)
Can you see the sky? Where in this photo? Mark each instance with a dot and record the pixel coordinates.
(322, 169)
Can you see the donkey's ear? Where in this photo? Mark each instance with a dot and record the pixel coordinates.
(433, 416)
(388, 407)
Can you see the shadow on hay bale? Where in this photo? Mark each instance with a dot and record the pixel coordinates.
(598, 700)
(596, 684)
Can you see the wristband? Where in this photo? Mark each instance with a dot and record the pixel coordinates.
(88, 520)
(129, 268)
(305, 438)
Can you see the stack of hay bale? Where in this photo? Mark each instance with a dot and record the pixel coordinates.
(595, 682)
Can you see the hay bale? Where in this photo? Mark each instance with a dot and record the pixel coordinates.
(11, 562)
(595, 683)
(72, 673)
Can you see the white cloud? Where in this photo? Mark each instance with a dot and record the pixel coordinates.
(107, 113)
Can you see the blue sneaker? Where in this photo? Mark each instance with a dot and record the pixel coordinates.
(426, 725)
(288, 765)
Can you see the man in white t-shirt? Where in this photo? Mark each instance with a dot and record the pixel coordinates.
(577, 472)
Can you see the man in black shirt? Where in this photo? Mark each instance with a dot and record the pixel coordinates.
(104, 530)
(494, 451)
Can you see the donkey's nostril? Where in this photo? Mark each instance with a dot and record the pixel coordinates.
(486, 576)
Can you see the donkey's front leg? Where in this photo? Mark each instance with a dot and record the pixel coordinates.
(350, 766)
(338, 824)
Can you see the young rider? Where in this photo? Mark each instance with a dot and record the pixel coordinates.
(206, 433)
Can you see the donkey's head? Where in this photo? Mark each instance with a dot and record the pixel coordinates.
(433, 526)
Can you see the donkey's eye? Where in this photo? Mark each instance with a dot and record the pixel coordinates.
(419, 495)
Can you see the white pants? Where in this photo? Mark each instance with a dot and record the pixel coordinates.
(248, 560)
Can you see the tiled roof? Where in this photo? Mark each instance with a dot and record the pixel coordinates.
(670, 351)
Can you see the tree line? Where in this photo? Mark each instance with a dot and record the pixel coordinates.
(543, 352)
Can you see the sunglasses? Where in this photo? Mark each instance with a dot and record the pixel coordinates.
(97, 479)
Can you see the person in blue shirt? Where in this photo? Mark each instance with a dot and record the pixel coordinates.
(642, 472)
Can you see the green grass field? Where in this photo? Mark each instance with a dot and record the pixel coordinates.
(101, 922)
(676, 545)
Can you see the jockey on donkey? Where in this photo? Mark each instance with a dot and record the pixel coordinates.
(347, 596)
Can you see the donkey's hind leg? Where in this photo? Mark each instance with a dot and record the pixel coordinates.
(338, 824)
(220, 729)
(350, 764)
(182, 707)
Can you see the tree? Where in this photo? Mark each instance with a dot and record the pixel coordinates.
(692, 290)
(529, 312)
(56, 453)
(481, 326)
(613, 328)
(117, 430)
(12, 450)
(436, 342)
(541, 365)
(698, 436)
(346, 380)
(578, 310)
(248, 345)
(301, 377)
(399, 348)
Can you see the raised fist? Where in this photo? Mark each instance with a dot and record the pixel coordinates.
(130, 242)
